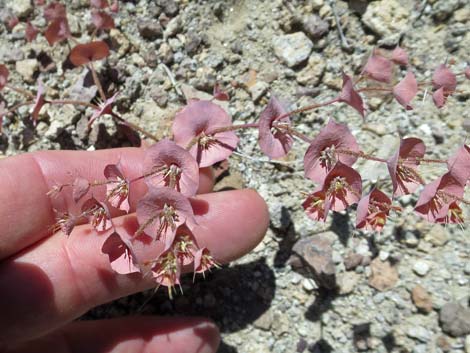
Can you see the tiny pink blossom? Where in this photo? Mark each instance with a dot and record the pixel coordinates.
(378, 68)
(167, 164)
(400, 56)
(372, 211)
(334, 143)
(402, 166)
(4, 73)
(120, 254)
(184, 246)
(31, 32)
(54, 11)
(435, 200)
(439, 97)
(195, 124)
(314, 205)
(350, 96)
(65, 223)
(57, 31)
(104, 108)
(161, 211)
(274, 141)
(102, 20)
(444, 77)
(80, 187)
(38, 103)
(203, 261)
(98, 214)
(166, 270)
(406, 90)
(117, 187)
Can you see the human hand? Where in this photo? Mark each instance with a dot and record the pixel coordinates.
(47, 280)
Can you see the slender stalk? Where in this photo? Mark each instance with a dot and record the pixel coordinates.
(135, 127)
(308, 107)
(232, 128)
(21, 91)
(361, 154)
(293, 132)
(97, 81)
(425, 160)
(19, 105)
(374, 89)
(74, 102)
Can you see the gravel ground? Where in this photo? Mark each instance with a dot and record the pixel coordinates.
(404, 290)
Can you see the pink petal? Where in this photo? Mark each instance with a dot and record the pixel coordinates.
(378, 68)
(4, 73)
(120, 254)
(400, 56)
(203, 117)
(102, 20)
(31, 32)
(151, 206)
(314, 206)
(166, 154)
(117, 193)
(203, 261)
(54, 11)
(57, 31)
(406, 90)
(349, 96)
(459, 165)
(467, 72)
(279, 143)
(80, 187)
(364, 215)
(333, 135)
(101, 221)
(439, 98)
(105, 108)
(444, 77)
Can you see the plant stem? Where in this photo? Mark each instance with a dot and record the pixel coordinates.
(293, 132)
(21, 91)
(361, 154)
(374, 89)
(73, 102)
(15, 107)
(232, 128)
(135, 127)
(97, 81)
(308, 107)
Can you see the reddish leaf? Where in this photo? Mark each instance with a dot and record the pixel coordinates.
(83, 54)
(349, 96)
(444, 77)
(54, 11)
(167, 164)
(400, 56)
(31, 32)
(406, 90)
(4, 73)
(102, 20)
(334, 143)
(378, 68)
(439, 97)
(274, 142)
(57, 31)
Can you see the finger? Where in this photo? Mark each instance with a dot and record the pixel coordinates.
(26, 212)
(133, 334)
(61, 278)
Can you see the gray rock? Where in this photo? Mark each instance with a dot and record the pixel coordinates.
(314, 26)
(351, 261)
(421, 268)
(27, 68)
(316, 253)
(455, 319)
(169, 7)
(441, 10)
(21, 8)
(149, 29)
(419, 332)
(173, 27)
(258, 90)
(386, 17)
(437, 235)
(293, 48)
(313, 72)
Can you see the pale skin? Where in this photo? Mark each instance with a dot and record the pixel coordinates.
(48, 280)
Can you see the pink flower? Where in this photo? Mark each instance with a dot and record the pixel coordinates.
(82, 54)
(54, 11)
(314, 205)
(399, 56)
(98, 214)
(437, 201)
(161, 211)
(57, 31)
(203, 261)
(372, 211)
(459, 165)
(65, 223)
(166, 270)
(406, 90)
(38, 103)
(402, 166)
(184, 246)
(120, 254)
(334, 143)
(167, 164)
(378, 68)
(80, 187)
(195, 124)
(117, 188)
(444, 82)
(102, 20)
(275, 142)
(104, 108)
(349, 96)
(4, 73)
(31, 32)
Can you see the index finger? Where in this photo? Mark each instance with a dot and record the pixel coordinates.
(27, 213)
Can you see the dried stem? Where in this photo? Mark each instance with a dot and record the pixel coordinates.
(74, 102)
(308, 107)
(97, 81)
